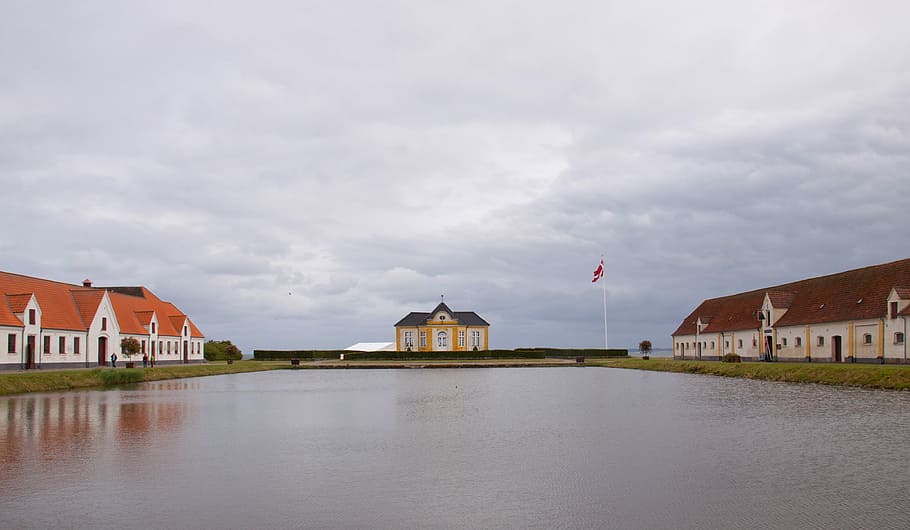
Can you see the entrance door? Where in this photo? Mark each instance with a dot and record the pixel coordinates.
(836, 348)
(698, 350)
(30, 352)
(102, 351)
(186, 355)
(769, 347)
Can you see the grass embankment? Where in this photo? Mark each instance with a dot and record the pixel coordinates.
(890, 377)
(59, 380)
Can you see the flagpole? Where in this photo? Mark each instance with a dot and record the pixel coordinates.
(604, 282)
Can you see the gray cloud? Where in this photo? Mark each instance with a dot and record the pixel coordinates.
(367, 157)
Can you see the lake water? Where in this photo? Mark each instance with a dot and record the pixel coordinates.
(470, 448)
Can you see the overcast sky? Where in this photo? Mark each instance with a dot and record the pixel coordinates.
(304, 174)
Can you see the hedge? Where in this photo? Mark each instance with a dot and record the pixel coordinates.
(518, 353)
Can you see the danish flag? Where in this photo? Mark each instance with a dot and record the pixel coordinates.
(598, 272)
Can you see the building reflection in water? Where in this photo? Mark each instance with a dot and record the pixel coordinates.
(45, 429)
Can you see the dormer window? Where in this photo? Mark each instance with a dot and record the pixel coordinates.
(893, 310)
(32, 317)
(153, 327)
(103, 323)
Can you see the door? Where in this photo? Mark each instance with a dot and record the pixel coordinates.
(769, 347)
(186, 355)
(102, 351)
(30, 352)
(836, 348)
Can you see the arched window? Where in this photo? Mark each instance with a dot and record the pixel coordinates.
(442, 339)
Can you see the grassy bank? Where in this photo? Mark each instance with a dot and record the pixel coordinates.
(59, 380)
(889, 377)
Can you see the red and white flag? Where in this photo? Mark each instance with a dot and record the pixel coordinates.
(598, 272)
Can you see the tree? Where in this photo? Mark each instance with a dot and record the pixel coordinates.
(644, 347)
(221, 350)
(129, 346)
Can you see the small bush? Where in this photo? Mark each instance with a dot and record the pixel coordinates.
(222, 350)
(732, 358)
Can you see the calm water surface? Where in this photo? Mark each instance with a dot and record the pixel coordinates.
(478, 448)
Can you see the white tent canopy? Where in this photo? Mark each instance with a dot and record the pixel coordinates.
(372, 346)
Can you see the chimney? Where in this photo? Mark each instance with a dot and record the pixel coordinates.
(86, 283)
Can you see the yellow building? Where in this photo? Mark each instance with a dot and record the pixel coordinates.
(442, 330)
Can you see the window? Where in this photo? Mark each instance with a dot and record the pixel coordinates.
(727, 344)
(739, 344)
(160, 346)
(408, 339)
(867, 338)
(143, 347)
(799, 341)
(898, 338)
(475, 339)
(153, 327)
(184, 331)
(712, 344)
(153, 348)
(754, 342)
(442, 339)
(47, 344)
(11, 343)
(461, 339)
(75, 344)
(103, 323)
(442, 317)
(423, 339)
(821, 340)
(893, 310)
(783, 342)
(169, 346)
(61, 344)
(32, 318)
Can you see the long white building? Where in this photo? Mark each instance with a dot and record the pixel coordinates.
(854, 316)
(49, 324)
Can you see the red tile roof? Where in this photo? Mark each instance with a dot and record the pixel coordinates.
(852, 295)
(7, 318)
(137, 304)
(72, 307)
(58, 310)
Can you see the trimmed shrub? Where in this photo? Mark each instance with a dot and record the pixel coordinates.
(732, 358)
(518, 353)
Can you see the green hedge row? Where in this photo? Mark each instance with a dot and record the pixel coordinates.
(518, 353)
(303, 355)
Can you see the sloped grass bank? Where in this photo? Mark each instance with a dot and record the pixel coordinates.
(60, 380)
(889, 377)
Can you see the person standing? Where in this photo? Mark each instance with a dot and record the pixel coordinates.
(113, 360)
(145, 360)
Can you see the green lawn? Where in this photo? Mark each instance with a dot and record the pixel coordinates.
(891, 377)
(59, 380)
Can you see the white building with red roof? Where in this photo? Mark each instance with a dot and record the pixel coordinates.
(854, 316)
(50, 324)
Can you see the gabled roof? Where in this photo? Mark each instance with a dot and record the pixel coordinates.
(902, 293)
(58, 308)
(87, 301)
(781, 299)
(141, 303)
(852, 295)
(465, 318)
(18, 302)
(7, 318)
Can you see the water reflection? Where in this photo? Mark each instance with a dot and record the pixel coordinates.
(527, 448)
